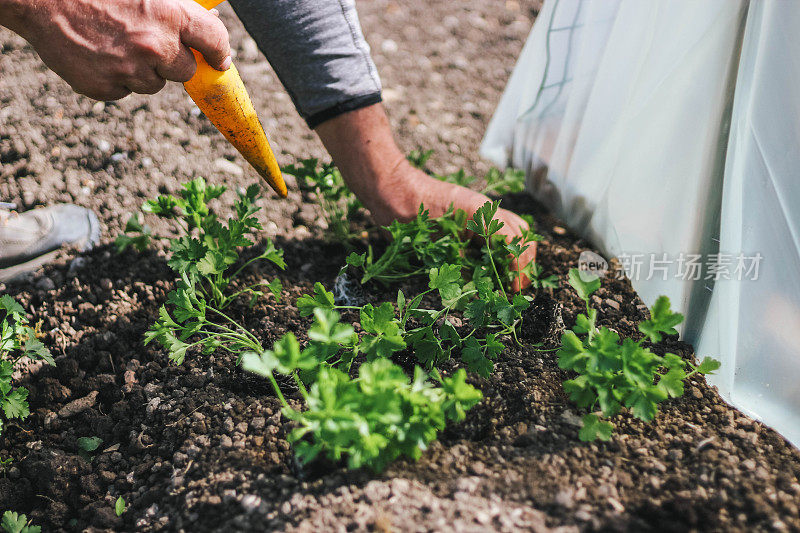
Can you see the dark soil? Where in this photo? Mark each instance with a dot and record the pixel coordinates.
(202, 447)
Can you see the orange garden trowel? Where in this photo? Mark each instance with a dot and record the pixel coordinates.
(221, 96)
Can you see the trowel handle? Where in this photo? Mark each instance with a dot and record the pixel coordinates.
(209, 4)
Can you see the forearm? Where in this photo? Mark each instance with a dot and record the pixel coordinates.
(361, 144)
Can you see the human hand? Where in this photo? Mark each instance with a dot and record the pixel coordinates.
(391, 188)
(411, 187)
(106, 49)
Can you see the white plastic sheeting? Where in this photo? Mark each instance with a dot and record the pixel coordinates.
(668, 133)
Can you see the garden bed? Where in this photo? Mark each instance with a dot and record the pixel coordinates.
(203, 446)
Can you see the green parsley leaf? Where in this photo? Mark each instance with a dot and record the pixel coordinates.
(662, 320)
(584, 283)
(89, 444)
(119, 506)
(447, 280)
(18, 523)
(593, 428)
(708, 366)
(321, 298)
(15, 403)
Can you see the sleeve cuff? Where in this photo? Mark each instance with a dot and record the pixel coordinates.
(344, 107)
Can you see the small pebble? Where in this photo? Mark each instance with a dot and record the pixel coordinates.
(250, 502)
(45, 284)
(75, 265)
(228, 167)
(389, 46)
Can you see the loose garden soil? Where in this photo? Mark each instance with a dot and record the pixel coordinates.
(202, 447)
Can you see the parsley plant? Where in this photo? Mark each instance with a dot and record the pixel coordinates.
(498, 181)
(337, 202)
(18, 341)
(207, 250)
(18, 523)
(615, 373)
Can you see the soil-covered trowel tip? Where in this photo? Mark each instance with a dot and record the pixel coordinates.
(347, 289)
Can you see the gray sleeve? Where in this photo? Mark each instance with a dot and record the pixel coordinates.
(318, 51)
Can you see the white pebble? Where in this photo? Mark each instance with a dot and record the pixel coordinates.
(389, 46)
(228, 167)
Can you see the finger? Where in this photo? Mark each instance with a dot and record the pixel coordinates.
(180, 68)
(214, 11)
(146, 82)
(513, 227)
(207, 34)
(104, 94)
(521, 281)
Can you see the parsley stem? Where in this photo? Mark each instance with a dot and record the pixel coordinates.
(233, 336)
(232, 321)
(300, 386)
(253, 260)
(246, 289)
(202, 291)
(494, 267)
(278, 392)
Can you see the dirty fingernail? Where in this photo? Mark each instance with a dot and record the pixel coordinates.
(226, 64)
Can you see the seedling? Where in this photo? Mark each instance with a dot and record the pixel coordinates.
(501, 182)
(18, 523)
(371, 419)
(120, 507)
(208, 249)
(498, 181)
(88, 445)
(465, 283)
(419, 157)
(189, 321)
(337, 202)
(424, 243)
(194, 319)
(416, 247)
(17, 341)
(378, 416)
(539, 282)
(613, 373)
